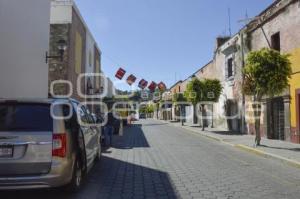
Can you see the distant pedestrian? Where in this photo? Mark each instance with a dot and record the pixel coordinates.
(129, 119)
(109, 129)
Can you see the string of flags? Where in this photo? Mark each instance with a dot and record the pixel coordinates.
(131, 79)
(143, 84)
(120, 73)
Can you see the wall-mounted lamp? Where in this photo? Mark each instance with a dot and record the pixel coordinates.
(62, 46)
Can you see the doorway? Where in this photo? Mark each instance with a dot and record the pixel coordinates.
(232, 111)
(298, 109)
(275, 118)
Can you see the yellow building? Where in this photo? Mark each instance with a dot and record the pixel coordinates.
(295, 95)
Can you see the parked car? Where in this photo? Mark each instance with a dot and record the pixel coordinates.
(38, 150)
(100, 126)
(142, 116)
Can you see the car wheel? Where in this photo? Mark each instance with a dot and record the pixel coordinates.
(77, 178)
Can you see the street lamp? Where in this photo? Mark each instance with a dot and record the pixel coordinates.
(61, 46)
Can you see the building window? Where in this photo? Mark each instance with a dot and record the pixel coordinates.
(229, 67)
(275, 41)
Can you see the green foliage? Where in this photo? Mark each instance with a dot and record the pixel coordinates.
(161, 102)
(143, 109)
(267, 72)
(178, 97)
(129, 96)
(212, 90)
(194, 91)
(135, 96)
(205, 90)
(108, 99)
(150, 108)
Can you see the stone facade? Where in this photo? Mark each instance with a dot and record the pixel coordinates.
(280, 20)
(66, 70)
(77, 27)
(226, 66)
(176, 88)
(58, 70)
(276, 27)
(81, 56)
(229, 57)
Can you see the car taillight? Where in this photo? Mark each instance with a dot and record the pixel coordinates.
(59, 145)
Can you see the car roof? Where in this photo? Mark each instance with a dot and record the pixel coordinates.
(38, 100)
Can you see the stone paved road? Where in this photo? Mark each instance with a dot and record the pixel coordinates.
(155, 160)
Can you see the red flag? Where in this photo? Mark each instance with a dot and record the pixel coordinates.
(143, 84)
(120, 73)
(152, 86)
(162, 86)
(131, 79)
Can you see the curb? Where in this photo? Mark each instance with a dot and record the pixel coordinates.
(246, 148)
(268, 155)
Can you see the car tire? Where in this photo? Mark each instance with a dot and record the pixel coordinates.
(77, 178)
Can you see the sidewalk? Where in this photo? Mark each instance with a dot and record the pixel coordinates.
(281, 150)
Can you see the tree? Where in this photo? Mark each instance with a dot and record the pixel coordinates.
(143, 109)
(207, 90)
(193, 94)
(150, 109)
(177, 98)
(156, 100)
(135, 96)
(212, 89)
(267, 72)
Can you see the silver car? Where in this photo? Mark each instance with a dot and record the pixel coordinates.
(46, 143)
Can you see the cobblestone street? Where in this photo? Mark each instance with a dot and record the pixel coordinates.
(156, 160)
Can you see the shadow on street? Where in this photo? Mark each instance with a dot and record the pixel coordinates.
(113, 178)
(133, 137)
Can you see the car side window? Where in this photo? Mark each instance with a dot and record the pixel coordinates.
(70, 123)
(82, 115)
(89, 116)
(89, 119)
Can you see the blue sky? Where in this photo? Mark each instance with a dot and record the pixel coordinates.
(162, 40)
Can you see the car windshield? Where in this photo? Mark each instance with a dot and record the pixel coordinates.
(25, 117)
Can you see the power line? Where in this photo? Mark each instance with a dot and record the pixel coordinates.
(229, 21)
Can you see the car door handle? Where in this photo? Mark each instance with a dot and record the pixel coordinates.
(24, 143)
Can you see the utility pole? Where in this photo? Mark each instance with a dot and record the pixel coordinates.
(229, 22)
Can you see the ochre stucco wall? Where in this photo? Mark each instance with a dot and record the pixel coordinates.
(294, 86)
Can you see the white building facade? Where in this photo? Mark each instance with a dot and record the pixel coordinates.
(24, 42)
